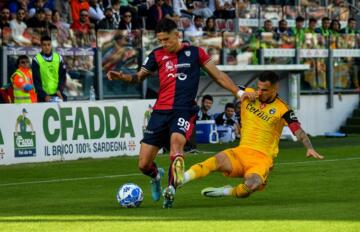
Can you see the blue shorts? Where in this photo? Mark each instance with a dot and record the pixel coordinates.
(163, 123)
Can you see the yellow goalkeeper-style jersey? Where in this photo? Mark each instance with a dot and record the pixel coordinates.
(262, 124)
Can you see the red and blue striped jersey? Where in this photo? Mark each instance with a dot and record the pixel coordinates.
(179, 75)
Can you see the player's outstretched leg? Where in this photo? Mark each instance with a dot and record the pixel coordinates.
(252, 183)
(239, 191)
(217, 192)
(200, 170)
(156, 184)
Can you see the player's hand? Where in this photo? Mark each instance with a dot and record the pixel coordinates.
(313, 153)
(114, 75)
(249, 95)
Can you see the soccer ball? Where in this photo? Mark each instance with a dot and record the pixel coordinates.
(130, 195)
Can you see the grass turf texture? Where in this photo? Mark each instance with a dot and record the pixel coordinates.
(301, 195)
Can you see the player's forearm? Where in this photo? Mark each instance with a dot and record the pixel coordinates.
(302, 136)
(225, 82)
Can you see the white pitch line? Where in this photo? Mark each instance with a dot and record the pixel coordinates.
(70, 179)
(321, 161)
(139, 174)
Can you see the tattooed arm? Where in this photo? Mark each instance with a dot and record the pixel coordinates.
(300, 134)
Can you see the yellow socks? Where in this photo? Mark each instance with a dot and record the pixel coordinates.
(240, 191)
(200, 170)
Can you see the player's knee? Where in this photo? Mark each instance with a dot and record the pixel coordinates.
(253, 182)
(143, 167)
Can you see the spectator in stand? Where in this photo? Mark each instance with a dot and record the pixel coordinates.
(282, 29)
(311, 26)
(225, 9)
(48, 21)
(49, 73)
(298, 31)
(169, 11)
(64, 11)
(115, 4)
(324, 30)
(15, 5)
(130, 5)
(180, 9)
(155, 14)
(81, 29)
(107, 23)
(22, 82)
(38, 20)
(209, 25)
(350, 29)
(63, 35)
(4, 20)
(335, 34)
(196, 28)
(311, 40)
(202, 8)
(206, 104)
(38, 4)
(95, 12)
(76, 7)
(18, 28)
(227, 122)
(127, 23)
(284, 35)
(203, 114)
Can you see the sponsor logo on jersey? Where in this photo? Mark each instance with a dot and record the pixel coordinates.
(180, 76)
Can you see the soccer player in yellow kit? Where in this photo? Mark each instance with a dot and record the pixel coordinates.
(262, 124)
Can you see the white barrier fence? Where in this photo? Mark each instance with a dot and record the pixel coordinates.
(69, 131)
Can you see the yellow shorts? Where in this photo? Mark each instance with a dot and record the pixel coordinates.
(247, 161)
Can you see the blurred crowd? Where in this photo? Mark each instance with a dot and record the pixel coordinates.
(231, 31)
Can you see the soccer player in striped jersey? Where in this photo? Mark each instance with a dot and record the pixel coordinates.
(172, 120)
(262, 124)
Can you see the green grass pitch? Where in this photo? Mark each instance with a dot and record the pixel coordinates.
(301, 195)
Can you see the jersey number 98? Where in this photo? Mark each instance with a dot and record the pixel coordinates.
(183, 123)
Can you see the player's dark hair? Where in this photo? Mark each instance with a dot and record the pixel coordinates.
(229, 105)
(270, 76)
(207, 97)
(165, 25)
(45, 38)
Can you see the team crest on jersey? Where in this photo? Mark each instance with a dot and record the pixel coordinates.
(187, 53)
(169, 66)
(272, 111)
